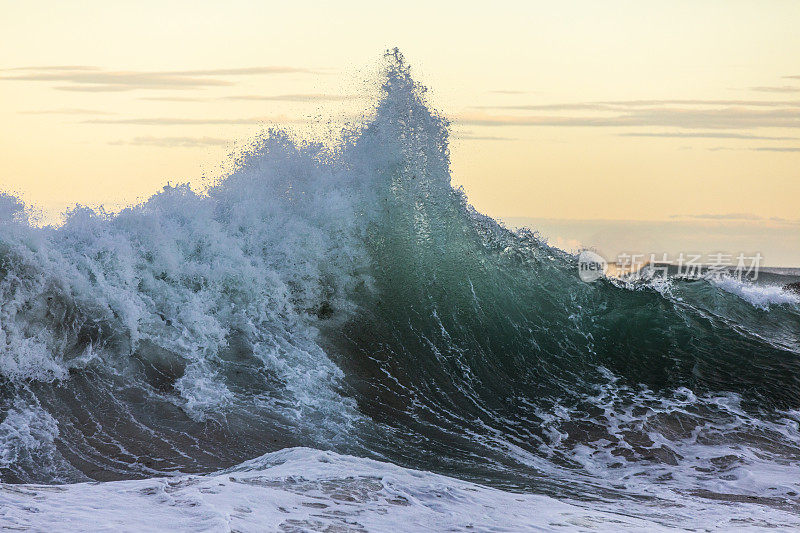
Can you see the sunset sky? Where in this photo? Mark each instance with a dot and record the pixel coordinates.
(686, 112)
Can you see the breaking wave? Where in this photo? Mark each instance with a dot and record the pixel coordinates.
(346, 297)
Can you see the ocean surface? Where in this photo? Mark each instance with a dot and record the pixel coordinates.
(332, 339)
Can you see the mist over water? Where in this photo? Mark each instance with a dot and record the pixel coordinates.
(349, 299)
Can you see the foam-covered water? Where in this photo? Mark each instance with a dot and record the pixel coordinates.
(298, 489)
(759, 295)
(345, 297)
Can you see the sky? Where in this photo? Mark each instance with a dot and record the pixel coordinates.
(684, 114)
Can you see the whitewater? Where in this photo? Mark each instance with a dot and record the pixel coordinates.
(331, 338)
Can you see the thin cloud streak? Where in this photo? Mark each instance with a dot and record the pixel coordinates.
(700, 102)
(500, 91)
(52, 67)
(118, 81)
(722, 216)
(94, 79)
(172, 142)
(617, 104)
(785, 149)
(471, 137)
(167, 121)
(777, 149)
(66, 112)
(749, 217)
(173, 99)
(106, 88)
(783, 89)
(292, 97)
(551, 107)
(246, 71)
(686, 118)
(300, 97)
(708, 135)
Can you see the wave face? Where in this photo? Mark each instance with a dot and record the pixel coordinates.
(350, 299)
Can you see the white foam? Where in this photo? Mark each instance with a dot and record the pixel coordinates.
(761, 296)
(28, 435)
(667, 446)
(25, 433)
(255, 257)
(302, 489)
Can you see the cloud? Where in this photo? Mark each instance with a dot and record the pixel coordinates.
(758, 149)
(52, 67)
(777, 149)
(505, 120)
(551, 107)
(682, 117)
(172, 142)
(782, 89)
(105, 88)
(706, 103)
(292, 97)
(707, 135)
(737, 217)
(94, 79)
(471, 137)
(173, 98)
(685, 114)
(178, 121)
(67, 112)
(500, 91)
(246, 71)
(308, 97)
(623, 104)
(103, 81)
(723, 216)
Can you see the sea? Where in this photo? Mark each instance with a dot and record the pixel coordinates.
(331, 338)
